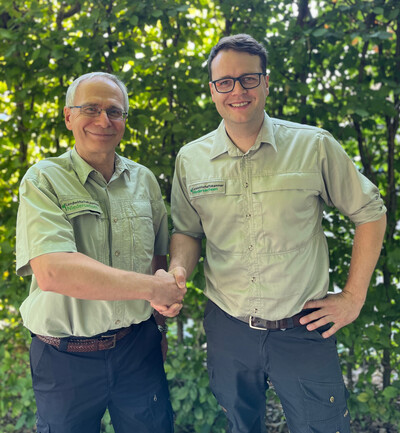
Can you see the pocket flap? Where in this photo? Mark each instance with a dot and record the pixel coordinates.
(285, 181)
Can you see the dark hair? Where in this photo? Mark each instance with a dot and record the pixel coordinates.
(241, 42)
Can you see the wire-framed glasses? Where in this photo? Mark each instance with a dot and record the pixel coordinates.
(247, 81)
(113, 113)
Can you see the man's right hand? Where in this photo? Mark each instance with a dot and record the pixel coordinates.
(167, 291)
(172, 310)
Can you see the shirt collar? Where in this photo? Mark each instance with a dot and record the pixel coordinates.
(120, 167)
(83, 169)
(223, 144)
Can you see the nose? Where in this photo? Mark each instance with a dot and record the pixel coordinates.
(238, 88)
(103, 119)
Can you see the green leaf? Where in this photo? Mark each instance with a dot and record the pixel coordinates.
(363, 397)
(198, 413)
(391, 392)
(320, 32)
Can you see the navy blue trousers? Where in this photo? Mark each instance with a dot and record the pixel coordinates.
(73, 390)
(302, 366)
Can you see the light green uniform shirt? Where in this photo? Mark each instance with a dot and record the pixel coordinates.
(67, 206)
(261, 213)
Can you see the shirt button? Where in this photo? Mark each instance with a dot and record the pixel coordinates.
(117, 253)
(332, 399)
(246, 184)
(251, 247)
(253, 279)
(115, 220)
(248, 215)
(117, 322)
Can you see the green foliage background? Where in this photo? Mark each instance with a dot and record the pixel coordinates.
(334, 64)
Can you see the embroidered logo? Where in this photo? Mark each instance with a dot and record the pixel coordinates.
(213, 187)
(79, 205)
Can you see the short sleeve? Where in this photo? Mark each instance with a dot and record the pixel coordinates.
(42, 227)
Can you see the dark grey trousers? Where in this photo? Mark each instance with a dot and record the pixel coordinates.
(302, 366)
(73, 390)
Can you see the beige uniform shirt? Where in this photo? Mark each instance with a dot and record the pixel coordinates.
(261, 213)
(67, 206)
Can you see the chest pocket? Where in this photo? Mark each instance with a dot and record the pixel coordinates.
(288, 191)
(89, 225)
(140, 218)
(290, 208)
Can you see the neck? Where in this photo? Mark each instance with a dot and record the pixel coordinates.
(242, 138)
(103, 163)
(106, 168)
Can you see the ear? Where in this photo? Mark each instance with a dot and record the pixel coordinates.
(267, 83)
(67, 118)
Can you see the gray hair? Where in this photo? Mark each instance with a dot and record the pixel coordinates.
(74, 85)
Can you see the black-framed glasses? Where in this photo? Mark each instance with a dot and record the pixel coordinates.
(247, 81)
(113, 113)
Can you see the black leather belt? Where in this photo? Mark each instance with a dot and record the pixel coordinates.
(287, 323)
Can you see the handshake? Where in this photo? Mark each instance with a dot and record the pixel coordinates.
(169, 290)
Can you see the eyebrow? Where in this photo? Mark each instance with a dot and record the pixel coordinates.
(94, 104)
(241, 75)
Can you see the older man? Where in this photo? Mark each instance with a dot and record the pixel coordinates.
(92, 228)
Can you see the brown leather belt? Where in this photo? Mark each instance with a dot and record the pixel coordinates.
(287, 323)
(104, 342)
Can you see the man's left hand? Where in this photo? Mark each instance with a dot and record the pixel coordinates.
(338, 308)
(168, 311)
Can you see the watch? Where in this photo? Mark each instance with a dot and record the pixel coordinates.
(163, 328)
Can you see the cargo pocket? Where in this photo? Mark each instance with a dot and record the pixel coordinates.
(325, 407)
(162, 417)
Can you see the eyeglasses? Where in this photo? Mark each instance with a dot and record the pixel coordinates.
(247, 81)
(94, 111)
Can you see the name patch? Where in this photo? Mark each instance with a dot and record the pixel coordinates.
(205, 188)
(74, 206)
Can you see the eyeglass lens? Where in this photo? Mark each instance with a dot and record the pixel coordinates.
(249, 81)
(93, 111)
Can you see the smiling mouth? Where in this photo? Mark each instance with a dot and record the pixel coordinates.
(240, 104)
(102, 134)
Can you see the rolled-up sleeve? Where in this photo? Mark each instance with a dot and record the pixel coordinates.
(345, 187)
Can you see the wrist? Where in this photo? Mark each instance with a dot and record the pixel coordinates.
(357, 296)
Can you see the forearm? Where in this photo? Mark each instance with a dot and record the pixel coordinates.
(367, 246)
(185, 252)
(79, 276)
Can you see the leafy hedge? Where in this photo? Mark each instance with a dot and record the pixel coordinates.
(333, 63)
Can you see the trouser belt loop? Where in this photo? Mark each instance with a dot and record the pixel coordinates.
(290, 323)
(63, 344)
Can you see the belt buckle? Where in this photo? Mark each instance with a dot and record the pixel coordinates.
(114, 340)
(251, 318)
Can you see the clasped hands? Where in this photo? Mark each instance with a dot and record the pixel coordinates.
(174, 292)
